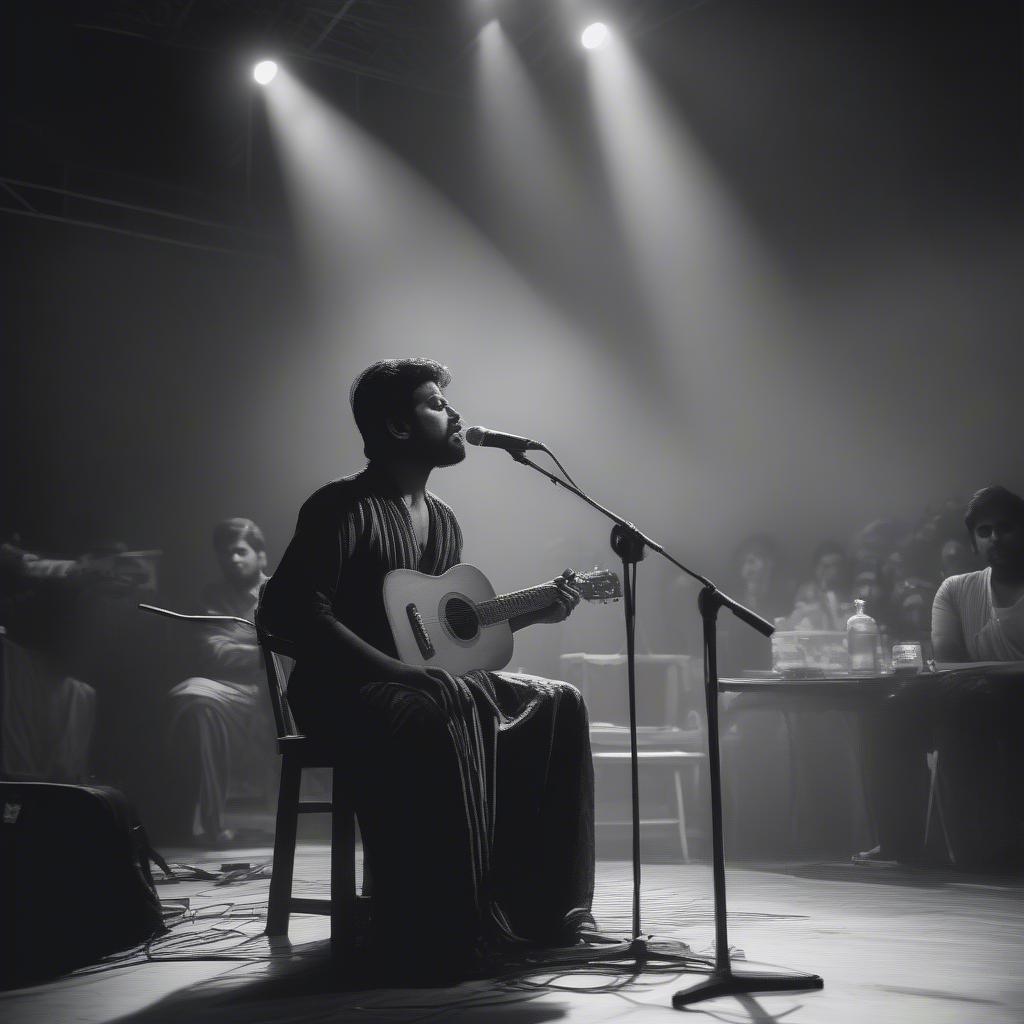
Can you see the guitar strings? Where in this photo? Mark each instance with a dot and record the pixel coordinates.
(470, 615)
(467, 616)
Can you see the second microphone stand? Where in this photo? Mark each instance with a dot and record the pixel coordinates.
(629, 544)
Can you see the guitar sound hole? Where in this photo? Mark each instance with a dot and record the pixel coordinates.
(461, 618)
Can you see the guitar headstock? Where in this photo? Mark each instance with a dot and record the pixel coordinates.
(598, 585)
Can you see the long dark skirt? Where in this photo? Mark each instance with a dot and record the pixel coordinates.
(475, 803)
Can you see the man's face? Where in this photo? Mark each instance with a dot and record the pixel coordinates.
(830, 571)
(956, 558)
(928, 531)
(240, 563)
(894, 568)
(435, 428)
(999, 539)
(868, 589)
(756, 568)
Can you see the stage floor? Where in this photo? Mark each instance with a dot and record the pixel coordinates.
(892, 946)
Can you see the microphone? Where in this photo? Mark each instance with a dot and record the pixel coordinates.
(508, 442)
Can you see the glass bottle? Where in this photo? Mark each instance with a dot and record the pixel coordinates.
(862, 641)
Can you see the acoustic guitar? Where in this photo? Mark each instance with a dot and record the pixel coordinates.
(456, 621)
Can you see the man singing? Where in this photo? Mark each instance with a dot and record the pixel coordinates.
(474, 794)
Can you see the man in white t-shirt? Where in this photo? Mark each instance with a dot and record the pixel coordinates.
(970, 720)
(979, 616)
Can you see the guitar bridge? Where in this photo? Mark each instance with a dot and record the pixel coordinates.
(419, 632)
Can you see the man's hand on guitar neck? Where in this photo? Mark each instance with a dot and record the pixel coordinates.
(566, 599)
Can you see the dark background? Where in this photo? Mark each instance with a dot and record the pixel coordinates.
(872, 151)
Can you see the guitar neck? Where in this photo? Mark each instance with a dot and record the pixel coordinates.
(519, 602)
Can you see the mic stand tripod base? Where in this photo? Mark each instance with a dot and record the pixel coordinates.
(723, 982)
(642, 950)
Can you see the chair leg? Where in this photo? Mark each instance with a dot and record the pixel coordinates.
(681, 815)
(935, 805)
(343, 868)
(285, 832)
(794, 783)
(932, 761)
(366, 890)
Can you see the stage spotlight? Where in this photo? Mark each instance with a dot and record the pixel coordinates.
(264, 72)
(595, 36)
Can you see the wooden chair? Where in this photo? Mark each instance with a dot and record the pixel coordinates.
(664, 744)
(346, 908)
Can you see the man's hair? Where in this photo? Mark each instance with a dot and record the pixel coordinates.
(829, 547)
(384, 390)
(986, 499)
(228, 531)
(756, 544)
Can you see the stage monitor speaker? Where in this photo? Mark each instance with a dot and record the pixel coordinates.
(74, 879)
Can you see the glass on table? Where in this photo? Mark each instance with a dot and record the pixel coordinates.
(907, 658)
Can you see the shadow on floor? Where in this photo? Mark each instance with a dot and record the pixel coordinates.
(306, 987)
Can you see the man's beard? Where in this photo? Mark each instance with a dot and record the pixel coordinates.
(452, 455)
(438, 454)
(1006, 567)
(244, 581)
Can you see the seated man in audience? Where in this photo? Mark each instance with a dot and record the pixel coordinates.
(967, 721)
(760, 583)
(979, 616)
(955, 558)
(220, 722)
(867, 586)
(910, 609)
(826, 601)
(49, 610)
(47, 715)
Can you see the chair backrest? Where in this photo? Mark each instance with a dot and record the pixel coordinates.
(275, 649)
(666, 688)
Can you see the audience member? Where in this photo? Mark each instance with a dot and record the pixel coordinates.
(826, 601)
(867, 587)
(763, 584)
(873, 542)
(956, 558)
(965, 721)
(894, 569)
(979, 616)
(910, 612)
(48, 715)
(759, 583)
(220, 727)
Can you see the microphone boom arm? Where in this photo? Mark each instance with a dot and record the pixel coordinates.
(723, 600)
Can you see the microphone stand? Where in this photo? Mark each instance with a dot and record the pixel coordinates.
(629, 544)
